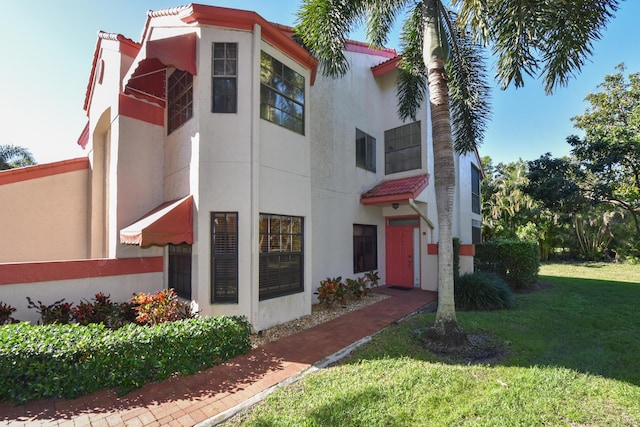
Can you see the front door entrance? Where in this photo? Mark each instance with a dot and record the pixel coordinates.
(403, 252)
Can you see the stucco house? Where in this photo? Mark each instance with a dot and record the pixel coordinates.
(221, 163)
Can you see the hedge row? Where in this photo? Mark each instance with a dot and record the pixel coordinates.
(515, 261)
(72, 360)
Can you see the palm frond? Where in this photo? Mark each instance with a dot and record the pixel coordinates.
(412, 77)
(381, 15)
(323, 27)
(568, 29)
(469, 92)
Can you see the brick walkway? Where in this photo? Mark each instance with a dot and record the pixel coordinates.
(193, 399)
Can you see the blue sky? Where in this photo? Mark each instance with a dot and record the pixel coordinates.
(47, 48)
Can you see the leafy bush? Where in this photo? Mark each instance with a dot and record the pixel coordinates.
(515, 261)
(482, 291)
(57, 360)
(331, 290)
(102, 310)
(58, 312)
(357, 288)
(163, 306)
(5, 314)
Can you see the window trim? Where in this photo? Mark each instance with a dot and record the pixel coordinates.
(476, 201)
(365, 151)
(176, 105)
(224, 76)
(177, 275)
(216, 297)
(374, 236)
(388, 149)
(266, 289)
(266, 86)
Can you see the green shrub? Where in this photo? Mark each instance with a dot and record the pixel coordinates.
(72, 360)
(482, 291)
(515, 261)
(331, 290)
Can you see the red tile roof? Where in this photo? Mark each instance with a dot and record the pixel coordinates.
(395, 190)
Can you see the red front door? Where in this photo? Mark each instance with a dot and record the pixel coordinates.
(400, 256)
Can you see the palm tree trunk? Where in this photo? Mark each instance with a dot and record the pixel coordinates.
(446, 324)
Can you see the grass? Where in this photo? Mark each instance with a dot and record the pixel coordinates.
(574, 360)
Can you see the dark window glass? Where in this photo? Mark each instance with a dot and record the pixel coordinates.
(475, 190)
(476, 232)
(180, 269)
(281, 255)
(402, 148)
(224, 257)
(281, 94)
(224, 79)
(179, 99)
(365, 151)
(365, 248)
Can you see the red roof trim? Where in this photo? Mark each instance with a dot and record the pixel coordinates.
(361, 47)
(30, 272)
(83, 139)
(40, 171)
(395, 190)
(244, 20)
(386, 66)
(127, 47)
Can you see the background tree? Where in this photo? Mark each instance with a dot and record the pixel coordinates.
(551, 38)
(12, 156)
(610, 149)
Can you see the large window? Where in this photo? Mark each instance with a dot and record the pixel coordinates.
(281, 255)
(365, 151)
(365, 248)
(180, 269)
(475, 189)
(224, 257)
(281, 94)
(402, 148)
(224, 79)
(179, 99)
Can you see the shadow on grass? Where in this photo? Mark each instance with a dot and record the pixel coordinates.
(590, 326)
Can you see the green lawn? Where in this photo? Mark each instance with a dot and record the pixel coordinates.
(574, 360)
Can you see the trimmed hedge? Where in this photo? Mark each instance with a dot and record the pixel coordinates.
(482, 291)
(72, 360)
(515, 261)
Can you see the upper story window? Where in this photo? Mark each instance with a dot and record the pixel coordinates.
(281, 94)
(365, 151)
(224, 78)
(179, 99)
(402, 148)
(475, 189)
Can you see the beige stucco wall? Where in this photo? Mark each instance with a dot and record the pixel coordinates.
(45, 218)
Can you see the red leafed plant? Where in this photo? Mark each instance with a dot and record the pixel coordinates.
(5, 314)
(163, 306)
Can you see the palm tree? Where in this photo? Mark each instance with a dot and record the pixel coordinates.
(12, 156)
(443, 49)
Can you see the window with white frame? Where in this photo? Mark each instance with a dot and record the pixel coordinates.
(224, 257)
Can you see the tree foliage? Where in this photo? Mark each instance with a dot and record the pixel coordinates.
(12, 156)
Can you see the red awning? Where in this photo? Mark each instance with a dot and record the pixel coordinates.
(395, 190)
(146, 78)
(171, 222)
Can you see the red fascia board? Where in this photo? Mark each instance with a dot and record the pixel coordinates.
(386, 200)
(40, 171)
(385, 67)
(136, 109)
(245, 20)
(30, 272)
(361, 47)
(83, 140)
